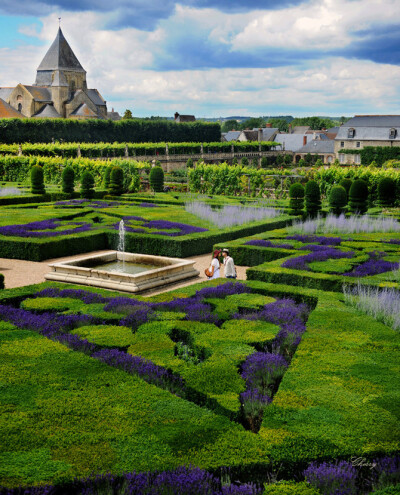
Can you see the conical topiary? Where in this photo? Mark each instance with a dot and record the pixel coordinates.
(37, 182)
(106, 178)
(68, 176)
(386, 191)
(87, 185)
(116, 187)
(337, 199)
(296, 202)
(358, 197)
(313, 198)
(346, 183)
(156, 179)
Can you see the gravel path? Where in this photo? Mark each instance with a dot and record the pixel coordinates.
(18, 273)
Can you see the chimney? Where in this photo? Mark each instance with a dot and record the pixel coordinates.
(304, 140)
(112, 109)
(290, 130)
(260, 135)
(268, 124)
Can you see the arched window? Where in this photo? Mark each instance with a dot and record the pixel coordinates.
(393, 133)
(20, 107)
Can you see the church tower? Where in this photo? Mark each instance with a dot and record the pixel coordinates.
(62, 71)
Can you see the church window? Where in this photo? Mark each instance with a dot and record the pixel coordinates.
(20, 107)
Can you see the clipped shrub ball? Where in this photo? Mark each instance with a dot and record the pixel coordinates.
(386, 191)
(190, 163)
(156, 179)
(346, 183)
(37, 183)
(337, 199)
(87, 185)
(358, 197)
(264, 162)
(68, 178)
(244, 162)
(296, 202)
(116, 187)
(106, 177)
(302, 162)
(313, 198)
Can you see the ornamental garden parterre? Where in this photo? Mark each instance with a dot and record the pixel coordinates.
(279, 384)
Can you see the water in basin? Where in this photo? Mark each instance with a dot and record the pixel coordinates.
(124, 267)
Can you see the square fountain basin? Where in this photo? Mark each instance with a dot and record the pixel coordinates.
(162, 271)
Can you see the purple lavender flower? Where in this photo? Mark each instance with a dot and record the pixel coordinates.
(386, 471)
(148, 205)
(184, 229)
(44, 228)
(373, 266)
(223, 290)
(324, 241)
(83, 295)
(262, 369)
(266, 243)
(319, 253)
(145, 368)
(332, 478)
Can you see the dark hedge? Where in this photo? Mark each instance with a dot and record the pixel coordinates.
(95, 130)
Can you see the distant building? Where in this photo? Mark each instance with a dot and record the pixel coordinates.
(230, 136)
(113, 115)
(366, 130)
(267, 133)
(292, 142)
(60, 88)
(184, 118)
(322, 148)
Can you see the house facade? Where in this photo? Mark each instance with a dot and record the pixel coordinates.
(366, 130)
(60, 89)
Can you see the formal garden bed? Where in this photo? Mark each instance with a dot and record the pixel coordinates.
(97, 383)
(77, 226)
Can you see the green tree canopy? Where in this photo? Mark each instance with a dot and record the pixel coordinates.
(127, 115)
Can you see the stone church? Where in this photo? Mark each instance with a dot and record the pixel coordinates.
(60, 89)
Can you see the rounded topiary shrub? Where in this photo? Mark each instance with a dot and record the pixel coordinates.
(296, 202)
(106, 177)
(68, 178)
(264, 162)
(116, 187)
(358, 197)
(302, 162)
(87, 185)
(189, 163)
(244, 162)
(346, 183)
(37, 182)
(337, 199)
(313, 198)
(156, 179)
(386, 191)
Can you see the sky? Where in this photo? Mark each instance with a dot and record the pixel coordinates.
(217, 58)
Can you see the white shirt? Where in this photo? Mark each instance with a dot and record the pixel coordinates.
(215, 264)
(229, 267)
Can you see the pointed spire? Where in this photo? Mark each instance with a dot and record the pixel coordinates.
(60, 56)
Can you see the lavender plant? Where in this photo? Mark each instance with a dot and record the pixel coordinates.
(44, 228)
(343, 225)
(231, 215)
(333, 478)
(381, 304)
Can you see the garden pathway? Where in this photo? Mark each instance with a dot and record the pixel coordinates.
(18, 273)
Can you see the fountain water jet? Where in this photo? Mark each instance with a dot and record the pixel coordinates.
(121, 242)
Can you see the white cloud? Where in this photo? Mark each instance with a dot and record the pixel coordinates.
(117, 65)
(321, 24)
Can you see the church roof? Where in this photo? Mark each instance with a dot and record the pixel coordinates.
(95, 96)
(59, 79)
(38, 93)
(60, 56)
(5, 92)
(8, 112)
(84, 111)
(47, 112)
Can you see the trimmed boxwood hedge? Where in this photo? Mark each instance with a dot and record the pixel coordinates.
(335, 401)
